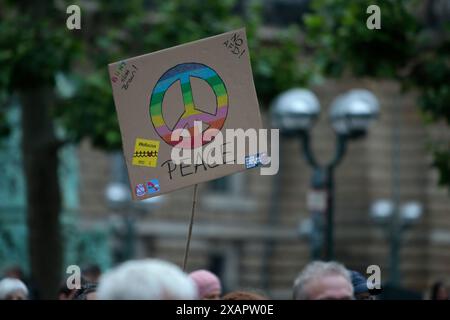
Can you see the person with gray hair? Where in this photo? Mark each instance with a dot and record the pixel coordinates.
(323, 281)
(148, 279)
(13, 289)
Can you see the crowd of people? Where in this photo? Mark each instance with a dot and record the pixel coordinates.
(154, 279)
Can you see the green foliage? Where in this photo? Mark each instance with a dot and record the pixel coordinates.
(91, 113)
(35, 47)
(404, 49)
(275, 67)
(430, 74)
(338, 29)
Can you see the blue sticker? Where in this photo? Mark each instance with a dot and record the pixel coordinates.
(251, 161)
(140, 190)
(153, 186)
(256, 160)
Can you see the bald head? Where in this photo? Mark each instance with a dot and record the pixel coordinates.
(323, 281)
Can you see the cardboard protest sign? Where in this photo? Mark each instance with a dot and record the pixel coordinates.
(162, 93)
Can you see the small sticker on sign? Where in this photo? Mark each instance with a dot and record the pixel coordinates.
(153, 186)
(256, 160)
(140, 190)
(145, 153)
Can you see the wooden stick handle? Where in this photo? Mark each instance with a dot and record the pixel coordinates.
(188, 241)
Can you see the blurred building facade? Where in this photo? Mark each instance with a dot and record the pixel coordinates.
(246, 225)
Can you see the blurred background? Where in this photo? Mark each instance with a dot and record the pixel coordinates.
(64, 193)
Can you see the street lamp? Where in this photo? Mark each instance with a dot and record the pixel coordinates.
(397, 219)
(352, 113)
(294, 112)
(117, 195)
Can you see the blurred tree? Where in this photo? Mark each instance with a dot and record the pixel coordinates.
(412, 47)
(60, 78)
(165, 24)
(32, 48)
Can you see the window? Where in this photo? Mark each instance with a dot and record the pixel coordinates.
(229, 193)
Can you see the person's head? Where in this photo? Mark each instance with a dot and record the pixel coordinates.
(323, 281)
(15, 272)
(91, 273)
(13, 289)
(148, 279)
(208, 285)
(67, 293)
(439, 291)
(360, 288)
(243, 295)
(87, 292)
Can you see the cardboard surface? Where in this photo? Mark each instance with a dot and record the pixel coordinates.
(209, 80)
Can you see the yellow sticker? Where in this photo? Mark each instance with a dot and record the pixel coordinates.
(145, 152)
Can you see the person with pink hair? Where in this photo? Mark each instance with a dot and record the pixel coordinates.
(208, 284)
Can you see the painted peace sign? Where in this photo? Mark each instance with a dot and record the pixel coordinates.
(183, 72)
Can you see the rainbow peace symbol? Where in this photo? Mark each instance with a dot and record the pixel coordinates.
(183, 73)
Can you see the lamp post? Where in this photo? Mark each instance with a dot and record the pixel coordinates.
(396, 219)
(295, 112)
